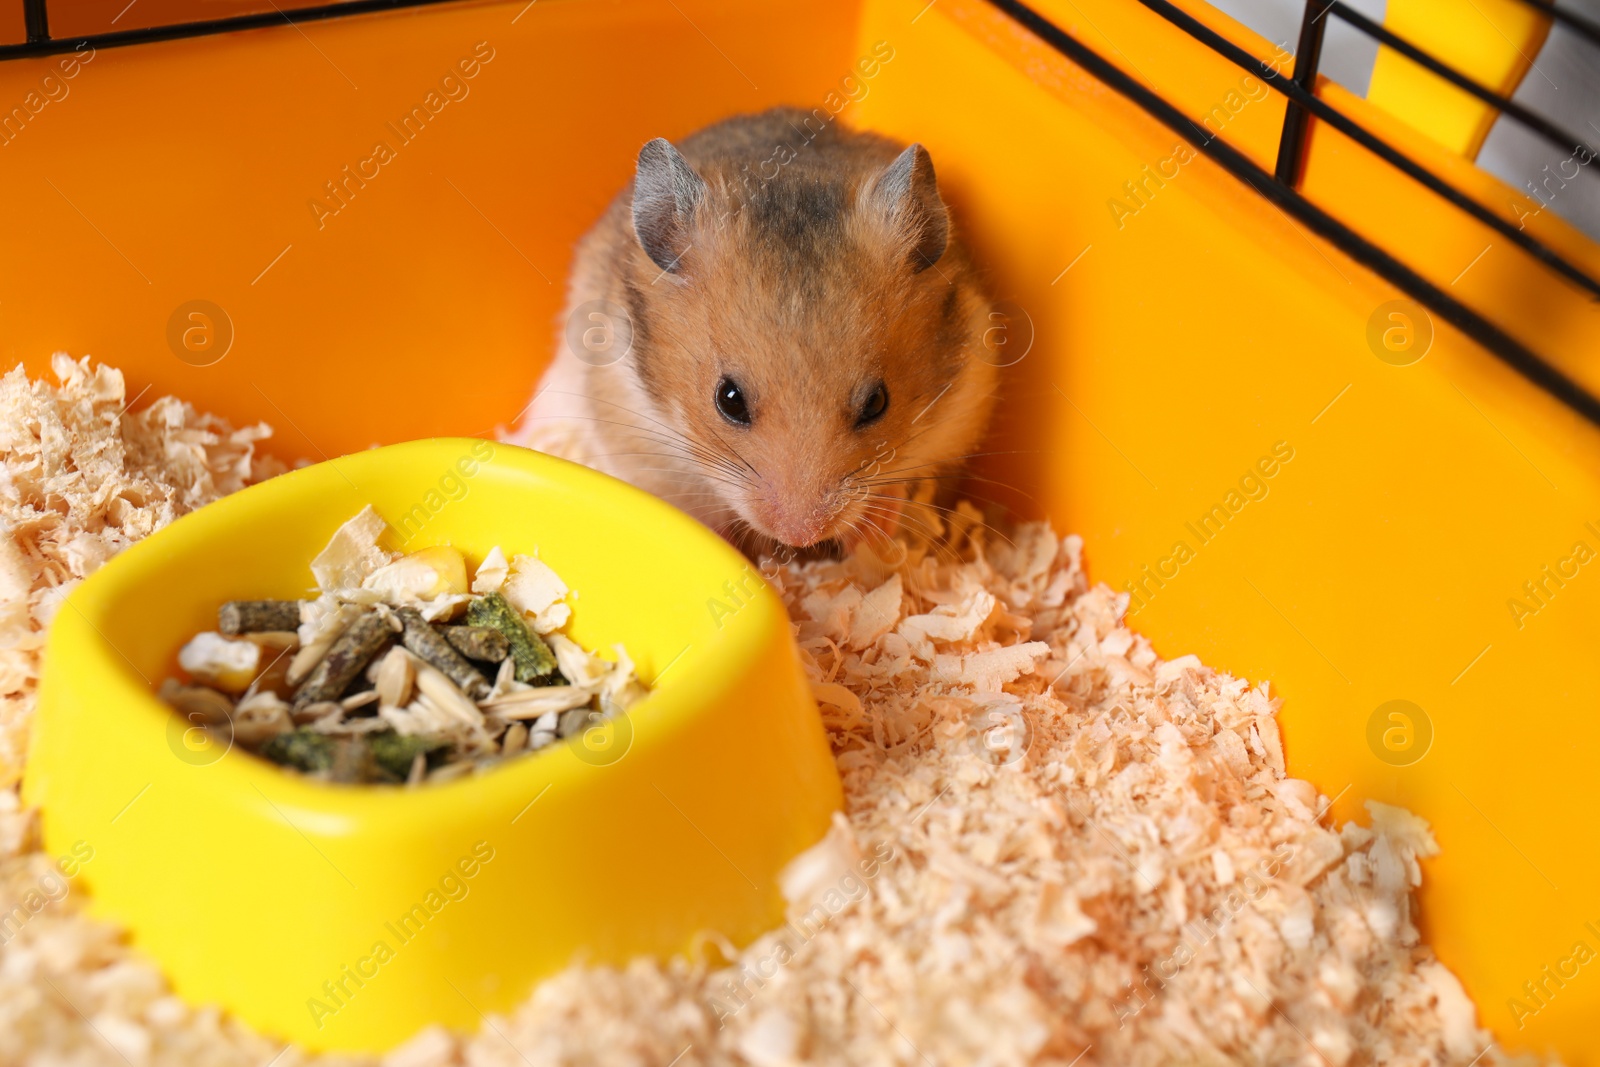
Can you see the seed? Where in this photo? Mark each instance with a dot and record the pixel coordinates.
(446, 696)
(197, 703)
(260, 718)
(310, 713)
(359, 699)
(394, 679)
(534, 703)
(574, 722)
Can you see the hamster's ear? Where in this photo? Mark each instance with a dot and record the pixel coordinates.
(665, 193)
(907, 193)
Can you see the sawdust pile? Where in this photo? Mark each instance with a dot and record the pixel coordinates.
(83, 480)
(1057, 849)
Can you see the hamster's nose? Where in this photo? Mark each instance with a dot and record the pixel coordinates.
(796, 530)
(794, 518)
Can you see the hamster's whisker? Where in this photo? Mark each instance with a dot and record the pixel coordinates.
(966, 491)
(735, 451)
(620, 407)
(925, 429)
(681, 457)
(868, 530)
(707, 454)
(913, 504)
(702, 451)
(704, 454)
(748, 540)
(667, 438)
(970, 455)
(682, 492)
(949, 476)
(698, 494)
(910, 522)
(982, 498)
(931, 465)
(714, 518)
(699, 472)
(860, 526)
(936, 542)
(928, 464)
(868, 507)
(928, 427)
(914, 525)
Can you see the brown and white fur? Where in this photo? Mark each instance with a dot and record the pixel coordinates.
(805, 276)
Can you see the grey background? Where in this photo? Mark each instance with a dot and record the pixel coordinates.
(1564, 86)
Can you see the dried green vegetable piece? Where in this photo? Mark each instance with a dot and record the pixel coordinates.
(384, 756)
(477, 642)
(345, 660)
(258, 616)
(535, 663)
(425, 643)
(394, 753)
(302, 749)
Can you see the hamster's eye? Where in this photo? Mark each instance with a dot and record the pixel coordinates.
(730, 401)
(876, 404)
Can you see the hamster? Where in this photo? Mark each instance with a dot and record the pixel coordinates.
(775, 328)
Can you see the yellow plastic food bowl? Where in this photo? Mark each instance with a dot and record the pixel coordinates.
(348, 917)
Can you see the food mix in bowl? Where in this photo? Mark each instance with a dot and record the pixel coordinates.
(399, 669)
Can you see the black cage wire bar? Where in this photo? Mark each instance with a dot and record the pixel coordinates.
(41, 43)
(1280, 187)
(1289, 199)
(1302, 98)
(1540, 125)
(1307, 58)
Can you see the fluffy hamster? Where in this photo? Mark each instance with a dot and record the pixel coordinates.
(802, 326)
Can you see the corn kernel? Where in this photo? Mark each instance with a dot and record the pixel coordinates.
(226, 665)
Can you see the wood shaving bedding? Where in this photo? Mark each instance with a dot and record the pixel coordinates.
(1057, 848)
(82, 479)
